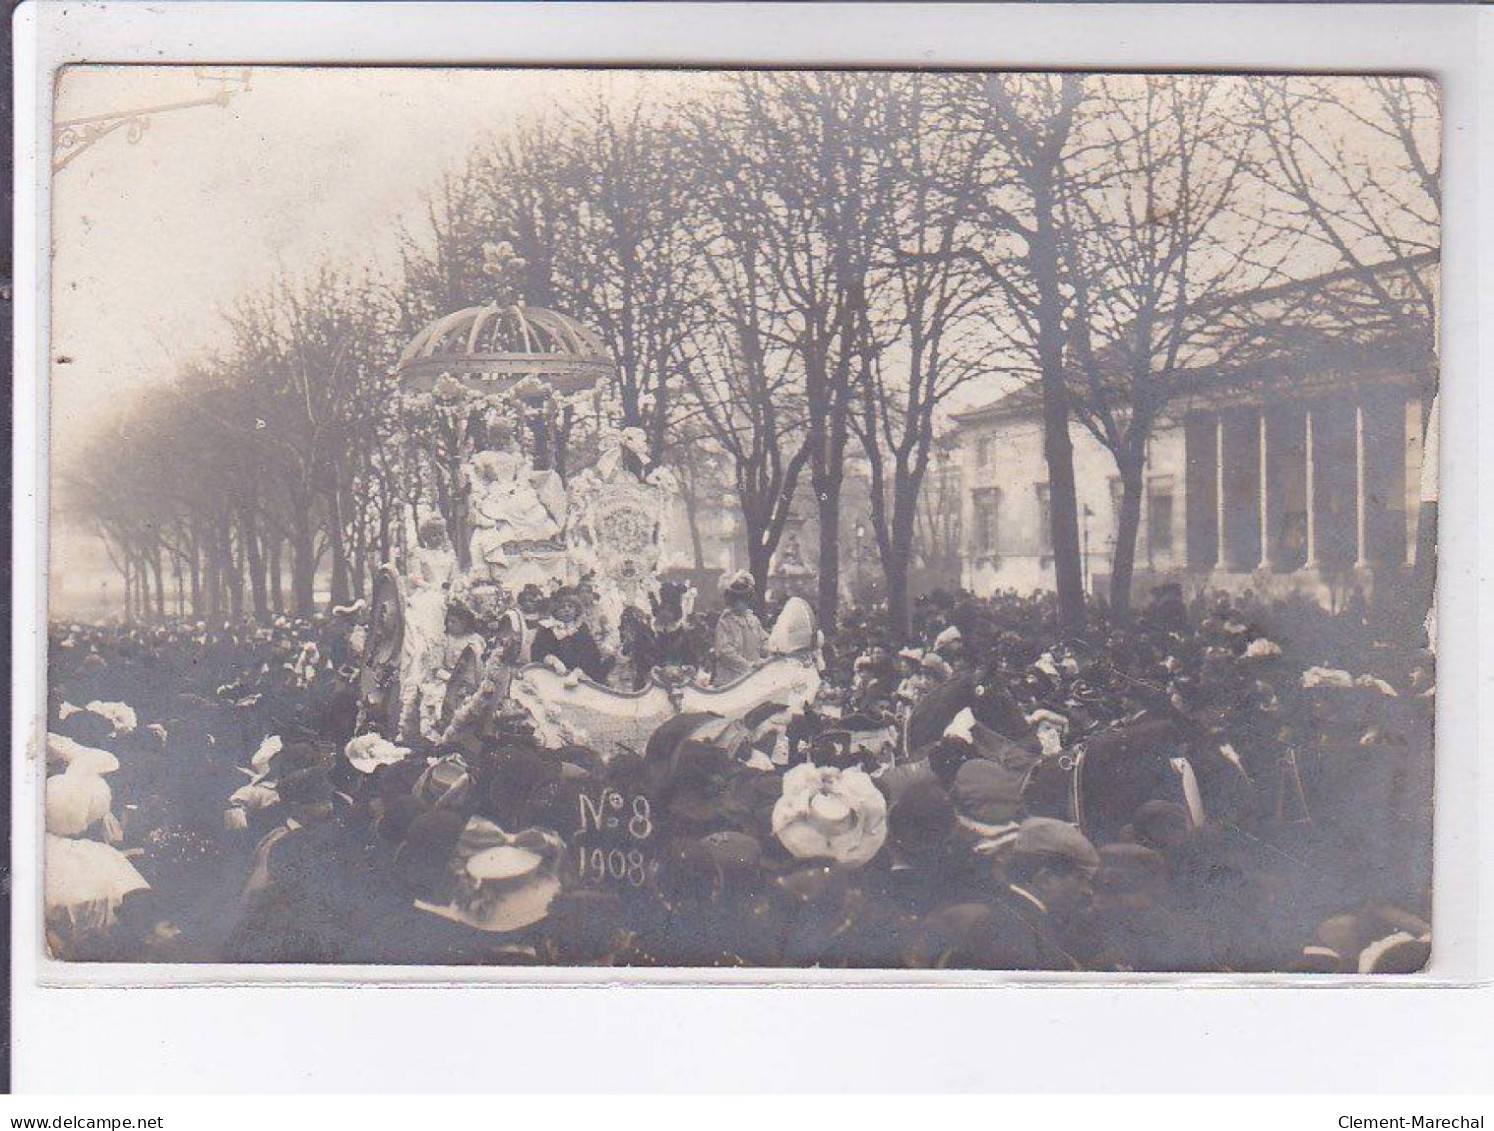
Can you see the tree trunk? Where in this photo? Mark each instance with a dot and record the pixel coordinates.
(249, 537)
(212, 580)
(692, 520)
(829, 564)
(233, 572)
(359, 555)
(385, 523)
(1123, 564)
(896, 567)
(194, 569)
(303, 571)
(155, 565)
(759, 561)
(273, 548)
(337, 540)
(1058, 446)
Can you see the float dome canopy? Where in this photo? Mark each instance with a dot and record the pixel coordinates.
(493, 348)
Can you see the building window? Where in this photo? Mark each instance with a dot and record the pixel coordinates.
(983, 452)
(1045, 519)
(987, 533)
(1159, 516)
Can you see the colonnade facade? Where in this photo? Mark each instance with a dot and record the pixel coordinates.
(1328, 484)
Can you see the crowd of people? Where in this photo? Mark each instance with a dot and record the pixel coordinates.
(1213, 784)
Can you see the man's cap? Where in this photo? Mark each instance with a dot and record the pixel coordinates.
(1058, 840)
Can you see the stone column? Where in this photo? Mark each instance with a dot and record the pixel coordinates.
(1220, 558)
(1265, 479)
(1361, 547)
(1312, 500)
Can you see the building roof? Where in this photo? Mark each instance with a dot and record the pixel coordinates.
(1297, 333)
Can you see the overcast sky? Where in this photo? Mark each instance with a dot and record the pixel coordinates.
(152, 240)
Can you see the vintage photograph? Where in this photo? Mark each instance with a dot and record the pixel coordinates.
(859, 520)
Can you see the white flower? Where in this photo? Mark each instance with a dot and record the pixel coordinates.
(827, 813)
(1260, 648)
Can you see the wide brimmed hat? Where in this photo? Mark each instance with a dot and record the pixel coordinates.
(503, 883)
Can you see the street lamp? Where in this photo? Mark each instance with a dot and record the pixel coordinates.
(1088, 514)
(860, 560)
(71, 136)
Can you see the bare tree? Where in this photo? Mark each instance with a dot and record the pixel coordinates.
(1031, 124)
(810, 143)
(1154, 235)
(928, 331)
(1355, 167)
(628, 256)
(743, 386)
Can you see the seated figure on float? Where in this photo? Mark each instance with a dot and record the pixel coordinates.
(518, 520)
(740, 636)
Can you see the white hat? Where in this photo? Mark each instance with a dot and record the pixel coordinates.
(368, 752)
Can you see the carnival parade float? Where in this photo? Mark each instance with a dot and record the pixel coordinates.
(536, 524)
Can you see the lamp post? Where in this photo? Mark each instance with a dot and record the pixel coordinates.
(860, 562)
(1088, 514)
(71, 136)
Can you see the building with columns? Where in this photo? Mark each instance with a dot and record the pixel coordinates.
(1298, 475)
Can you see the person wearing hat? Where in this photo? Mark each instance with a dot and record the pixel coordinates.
(950, 645)
(740, 636)
(566, 637)
(1135, 926)
(1049, 872)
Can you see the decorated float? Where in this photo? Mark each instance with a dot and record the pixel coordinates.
(529, 496)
